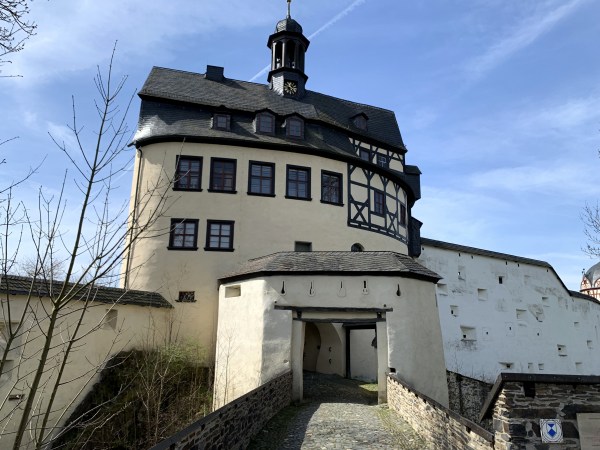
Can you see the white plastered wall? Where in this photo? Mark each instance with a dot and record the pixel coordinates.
(518, 325)
(263, 225)
(134, 327)
(413, 331)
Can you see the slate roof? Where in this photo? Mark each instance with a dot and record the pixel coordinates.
(17, 285)
(482, 252)
(184, 101)
(329, 263)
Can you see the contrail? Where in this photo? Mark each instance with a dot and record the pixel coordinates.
(338, 17)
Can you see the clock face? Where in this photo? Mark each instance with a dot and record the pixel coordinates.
(290, 87)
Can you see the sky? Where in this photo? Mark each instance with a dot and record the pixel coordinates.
(498, 101)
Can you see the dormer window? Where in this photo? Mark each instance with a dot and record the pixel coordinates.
(221, 122)
(360, 121)
(294, 127)
(265, 123)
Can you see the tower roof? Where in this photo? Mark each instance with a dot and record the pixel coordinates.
(593, 274)
(288, 24)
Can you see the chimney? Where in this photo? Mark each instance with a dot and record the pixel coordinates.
(214, 73)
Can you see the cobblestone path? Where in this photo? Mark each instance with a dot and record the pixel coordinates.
(337, 414)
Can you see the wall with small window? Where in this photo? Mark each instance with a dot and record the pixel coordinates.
(528, 320)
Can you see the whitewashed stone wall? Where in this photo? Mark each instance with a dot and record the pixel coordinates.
(503, 314)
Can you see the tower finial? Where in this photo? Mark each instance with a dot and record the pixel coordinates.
(289, 15)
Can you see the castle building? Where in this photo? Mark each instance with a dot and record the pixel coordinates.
(287, 241)
(252, 170)
(590, 284)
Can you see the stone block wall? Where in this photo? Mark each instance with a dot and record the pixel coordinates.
(521, 401)
(441, 427)
(233, 426)
(467, 396)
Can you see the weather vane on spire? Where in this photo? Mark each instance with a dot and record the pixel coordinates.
(289, 9)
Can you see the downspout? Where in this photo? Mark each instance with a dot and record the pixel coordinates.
(133, 217)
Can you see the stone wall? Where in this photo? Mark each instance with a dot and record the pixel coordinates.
(438, 425)
(467, 396)
(233, 426)
(519, 401)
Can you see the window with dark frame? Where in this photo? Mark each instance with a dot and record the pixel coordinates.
(219, 235)
(365, 154)
(383, 161)
(360, 121)
(186, 297)
(221, 121)
(295, 127)
(378, 202)
(402, 215)
(298, 182)
(222, 175)
(184, 234)
(265, 123)
(331, 187)
(188, 174)
(261, 178)
(300, 246)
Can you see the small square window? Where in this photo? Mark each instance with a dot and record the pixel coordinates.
(186, 297)
(221, 122)
(265, 123)
(219, 235)
(331, 187)
(365, 154)
(222, 175)
(378, 202)
(261, 179)
(184, 234)
(302, 246)
(294, 127)
(298, 182)
(383, 161)
(188, 173)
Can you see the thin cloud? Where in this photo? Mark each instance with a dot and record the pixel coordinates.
(522, 36)
(327, 25)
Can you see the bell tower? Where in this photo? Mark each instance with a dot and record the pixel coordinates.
(288, 46)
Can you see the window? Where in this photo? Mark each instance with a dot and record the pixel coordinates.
(365, 155)
(360, 121)
(383, 161)
(298, 183)
(302, 246)
(221, 122)
(265, 123)
(222, 175)
(188, 173)
(294, 127)
(402, 215)
(261, 179)
(184, 234)
(331, 187)
(219, 235)
(357, 248)
(378, 203)
(186, 297)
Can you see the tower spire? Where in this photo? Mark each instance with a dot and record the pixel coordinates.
(289, 15)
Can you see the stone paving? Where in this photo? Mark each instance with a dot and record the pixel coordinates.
(337, 414)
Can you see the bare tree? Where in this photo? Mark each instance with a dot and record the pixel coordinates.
(41, 337)
(15, 28)
(591, 220)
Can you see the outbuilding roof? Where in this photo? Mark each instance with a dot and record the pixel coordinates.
(169, 85)
(330, 263)
(17, 285)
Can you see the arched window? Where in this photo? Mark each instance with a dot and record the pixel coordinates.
(357, 248)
